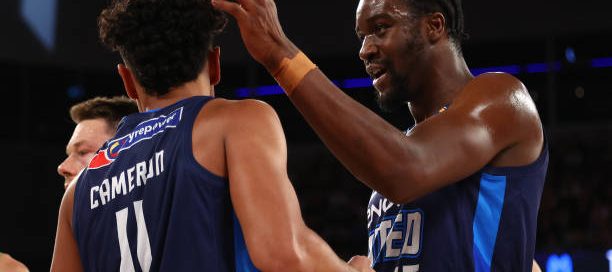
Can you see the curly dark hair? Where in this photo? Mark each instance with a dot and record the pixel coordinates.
(452, 11)
(164, 42)
(109, 109)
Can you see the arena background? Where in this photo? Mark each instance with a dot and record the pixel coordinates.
(50, 58)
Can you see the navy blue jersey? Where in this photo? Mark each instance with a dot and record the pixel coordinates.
(486, 222)
(145, 204)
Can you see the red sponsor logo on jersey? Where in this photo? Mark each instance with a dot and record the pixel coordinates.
(99, 160)
(145, 130)
(105, 157)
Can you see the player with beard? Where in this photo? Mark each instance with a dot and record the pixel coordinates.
(460, 190)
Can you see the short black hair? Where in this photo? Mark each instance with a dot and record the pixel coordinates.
(452, 11)
(164, 42)
(110, 109)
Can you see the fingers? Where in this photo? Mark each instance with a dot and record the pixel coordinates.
(234, 9)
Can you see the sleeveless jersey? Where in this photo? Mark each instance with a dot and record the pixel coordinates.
(486, 222)
(145, 204)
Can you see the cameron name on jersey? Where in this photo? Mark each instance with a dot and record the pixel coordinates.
(127, 180)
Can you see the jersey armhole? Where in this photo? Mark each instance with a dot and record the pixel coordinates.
(188, 138)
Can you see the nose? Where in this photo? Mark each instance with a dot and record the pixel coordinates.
(368, 48)
(67, 169)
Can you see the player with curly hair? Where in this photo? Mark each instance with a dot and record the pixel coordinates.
(192, 182)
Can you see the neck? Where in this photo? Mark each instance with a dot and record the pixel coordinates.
(200, 86)
(444, 84)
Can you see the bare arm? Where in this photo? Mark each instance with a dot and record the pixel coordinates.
(441, 150)
(445, 148)
(263, 198)
(65, 253)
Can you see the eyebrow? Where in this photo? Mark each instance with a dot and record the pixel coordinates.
(375, 17)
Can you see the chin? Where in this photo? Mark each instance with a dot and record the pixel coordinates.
(389, 102)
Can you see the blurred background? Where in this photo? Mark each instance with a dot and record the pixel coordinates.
(50, 59)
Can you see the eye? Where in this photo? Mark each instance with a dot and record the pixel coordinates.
(84, 152)
(380, 29)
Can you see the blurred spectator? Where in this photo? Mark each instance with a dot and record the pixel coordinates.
(575, 209)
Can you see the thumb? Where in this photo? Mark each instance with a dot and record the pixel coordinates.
(361, 263)
(232, 8)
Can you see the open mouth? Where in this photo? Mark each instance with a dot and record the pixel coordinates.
(376, 72)
(378, 75)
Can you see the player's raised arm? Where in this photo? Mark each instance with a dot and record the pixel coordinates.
(357, 136)
(468, 135)
(263, 198)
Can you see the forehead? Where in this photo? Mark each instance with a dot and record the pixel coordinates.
(93, 132)
(372, 8)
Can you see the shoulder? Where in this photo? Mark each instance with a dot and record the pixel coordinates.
(498, 77)
(497, 93)
(494, 85)
(501, 103)
(224, 122)
(248, 112)
(246, 106)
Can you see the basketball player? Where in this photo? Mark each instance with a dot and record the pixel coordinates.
(457, 192)
(191, 183)
(96, 121)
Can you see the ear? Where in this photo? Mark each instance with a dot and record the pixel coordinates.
(435, 27)
(128, 81)
(214, 66)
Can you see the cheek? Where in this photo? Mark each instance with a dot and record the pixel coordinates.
(394, 56)
(85, 159)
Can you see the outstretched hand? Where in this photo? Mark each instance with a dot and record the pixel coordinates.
(260, 29)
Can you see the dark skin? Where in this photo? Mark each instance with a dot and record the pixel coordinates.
(492, 119)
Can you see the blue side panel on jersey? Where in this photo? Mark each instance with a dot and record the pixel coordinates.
(486, 219)
(243, 261)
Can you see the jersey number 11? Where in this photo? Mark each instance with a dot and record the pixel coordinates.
(143, 247)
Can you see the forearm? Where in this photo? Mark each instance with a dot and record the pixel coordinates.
(368, 146)
(305, 252)
(321, 257)
(373, 150)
